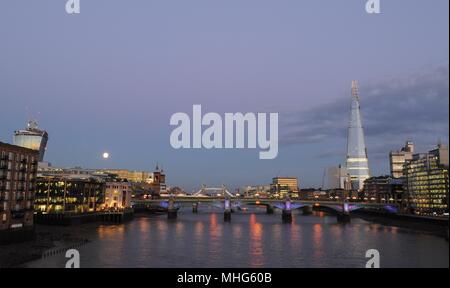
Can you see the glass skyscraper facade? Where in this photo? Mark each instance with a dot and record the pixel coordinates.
(285, 186)
(32, 138)
(397, 159)
(77, 194)
(357, 162)
(426, 182)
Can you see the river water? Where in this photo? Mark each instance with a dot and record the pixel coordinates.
(251, 239)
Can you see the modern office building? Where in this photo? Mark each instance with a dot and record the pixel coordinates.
(32, 138)
(69, 193)
(426, 182)
(117, 195)
(283, 187)
(357, 161)
(44, 169)
(131, 175)
(384, 189)
(338, 178)
(263, 191)
(18, 167)
(397, 159)
(312, 194)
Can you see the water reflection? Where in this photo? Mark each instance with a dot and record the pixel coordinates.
(215, 239)
(199, 228)
(198, 236)
(295, 235)
(161, 229)
(256, 252)
(179, 229)
(317, 241)
(111, 234)
(321, 214)
(251, 239)
(237, 231)
(105, 231)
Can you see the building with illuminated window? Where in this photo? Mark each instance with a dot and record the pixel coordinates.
(283, 187)
(18, 168)
(384, 189)
(357, 161)
(397, 159)
(158, 185)
(263, 191)
(131, 175)
(32, 138)
(69, 193)
(426, 182)
(117, 195)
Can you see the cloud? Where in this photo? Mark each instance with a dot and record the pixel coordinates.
(414, 107)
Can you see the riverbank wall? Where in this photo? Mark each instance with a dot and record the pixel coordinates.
(433, 225)
(67, 219)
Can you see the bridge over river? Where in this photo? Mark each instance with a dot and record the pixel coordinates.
(229, 205)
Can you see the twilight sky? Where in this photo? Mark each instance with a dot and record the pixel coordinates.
(109, 79)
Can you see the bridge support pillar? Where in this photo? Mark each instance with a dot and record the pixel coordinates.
(307, 210)
(172, 211)
(343, 217)
(195, 208)
(227, 215)
(269, 209)
(286, 216)
(227, 211)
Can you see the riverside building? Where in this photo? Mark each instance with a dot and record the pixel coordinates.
(18, 168)
(117, 195)
(131, 175)
(69, 193)
(426, 182)
(384, 189)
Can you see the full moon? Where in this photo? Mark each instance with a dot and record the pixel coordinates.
(105, 155)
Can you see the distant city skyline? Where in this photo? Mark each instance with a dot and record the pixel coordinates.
(112, 85)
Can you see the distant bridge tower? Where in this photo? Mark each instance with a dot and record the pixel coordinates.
(206, 191)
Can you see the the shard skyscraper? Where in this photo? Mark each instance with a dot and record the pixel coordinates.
(357, 161)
